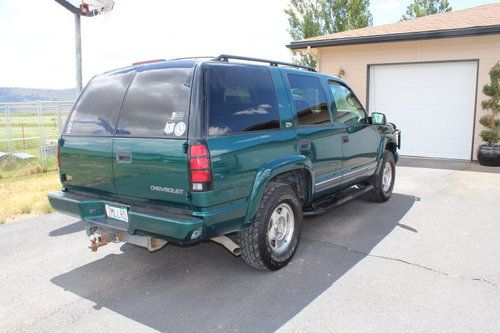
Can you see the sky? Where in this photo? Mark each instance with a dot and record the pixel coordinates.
(37, 36)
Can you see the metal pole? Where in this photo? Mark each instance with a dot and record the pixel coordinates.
(78, 49)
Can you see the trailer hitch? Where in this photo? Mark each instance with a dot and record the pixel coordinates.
(96, 241)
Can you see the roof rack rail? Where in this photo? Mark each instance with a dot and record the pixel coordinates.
(196, 57)
(226, 57)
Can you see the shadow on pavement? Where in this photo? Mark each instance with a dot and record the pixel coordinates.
(436, 163)
(68, 229)
(204, 288)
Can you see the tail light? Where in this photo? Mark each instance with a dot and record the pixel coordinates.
(199, 168)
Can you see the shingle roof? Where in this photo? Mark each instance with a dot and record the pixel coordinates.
(476, 20)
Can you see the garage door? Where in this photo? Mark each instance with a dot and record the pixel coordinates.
(432, 103)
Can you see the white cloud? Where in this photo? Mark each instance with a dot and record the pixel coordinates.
(218, 130)
(261, 109)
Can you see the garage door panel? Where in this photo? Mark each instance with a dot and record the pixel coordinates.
(433, 104)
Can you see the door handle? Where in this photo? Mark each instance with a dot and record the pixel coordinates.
(345, 138)
(124, 157)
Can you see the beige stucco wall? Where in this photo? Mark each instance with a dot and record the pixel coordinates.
(354, 59)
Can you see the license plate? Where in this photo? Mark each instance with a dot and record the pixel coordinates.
(117, 213)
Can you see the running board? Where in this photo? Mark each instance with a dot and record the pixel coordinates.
(329, 203)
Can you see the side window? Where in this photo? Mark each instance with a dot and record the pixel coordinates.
(309, 99)
(241, 99)
(348, 109)
(157, 103)
(96, 110)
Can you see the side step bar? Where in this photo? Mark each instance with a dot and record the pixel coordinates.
(330, 203)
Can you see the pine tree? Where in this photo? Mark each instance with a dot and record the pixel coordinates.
(491, 134)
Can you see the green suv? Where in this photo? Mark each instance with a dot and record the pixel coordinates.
(231, 149)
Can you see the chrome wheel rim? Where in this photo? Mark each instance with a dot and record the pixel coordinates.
(387, 177)
(281, 227)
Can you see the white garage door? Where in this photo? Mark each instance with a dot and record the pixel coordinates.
(432, 103)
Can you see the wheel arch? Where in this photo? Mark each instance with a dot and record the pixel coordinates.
(296, 170)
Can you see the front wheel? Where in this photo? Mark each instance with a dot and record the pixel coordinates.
(272, 239)
(383, 181)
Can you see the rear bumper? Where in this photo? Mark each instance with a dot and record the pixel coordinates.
(172, 226)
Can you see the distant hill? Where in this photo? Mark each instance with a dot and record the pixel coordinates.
(9, 94)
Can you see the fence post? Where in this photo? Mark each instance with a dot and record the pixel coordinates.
(59, 118)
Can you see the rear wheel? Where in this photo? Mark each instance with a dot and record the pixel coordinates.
(383, 181)
(272, 239)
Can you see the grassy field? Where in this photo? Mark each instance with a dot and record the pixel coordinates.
(26, 195)
(28, 126)
(29, 132)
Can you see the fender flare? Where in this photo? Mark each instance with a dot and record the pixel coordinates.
(268, 171)
(384, 141)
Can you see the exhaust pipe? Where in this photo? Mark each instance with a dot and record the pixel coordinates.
(228, 244)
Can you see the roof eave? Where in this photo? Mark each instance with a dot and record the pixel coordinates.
(448, 33)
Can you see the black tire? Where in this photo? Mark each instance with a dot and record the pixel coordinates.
(378, 194)
(254, 242)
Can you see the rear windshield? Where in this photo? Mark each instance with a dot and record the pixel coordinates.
(241, 99)
(157, 104)
(96, 110)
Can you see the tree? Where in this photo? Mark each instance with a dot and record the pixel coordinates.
(311, 18)
(491, 134)
(420, 8)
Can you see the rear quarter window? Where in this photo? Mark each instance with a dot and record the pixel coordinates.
(241, 99)
(96, 110)
(157, 104)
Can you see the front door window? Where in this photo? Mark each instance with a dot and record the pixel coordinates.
(347, 107)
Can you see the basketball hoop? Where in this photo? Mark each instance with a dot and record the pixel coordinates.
(96, 7)
(88, 9)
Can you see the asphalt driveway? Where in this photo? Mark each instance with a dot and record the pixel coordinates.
(427, 260)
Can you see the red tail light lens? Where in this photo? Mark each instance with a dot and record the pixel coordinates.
(200, 176)
(199, 165)
(199, 150)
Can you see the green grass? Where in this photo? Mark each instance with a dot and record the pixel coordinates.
(25, 126)
(27, 195)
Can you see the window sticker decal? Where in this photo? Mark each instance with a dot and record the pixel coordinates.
(176, 116)
(169, 128)
(180, 128)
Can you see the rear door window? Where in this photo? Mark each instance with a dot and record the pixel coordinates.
(309, 99)
(157, 104)
(241, 99)
(96, 110)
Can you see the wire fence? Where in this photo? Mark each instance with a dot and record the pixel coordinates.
(28, 136)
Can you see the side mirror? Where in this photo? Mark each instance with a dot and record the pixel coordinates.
(379, 118)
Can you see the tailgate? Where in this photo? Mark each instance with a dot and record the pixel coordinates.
(151, 169)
